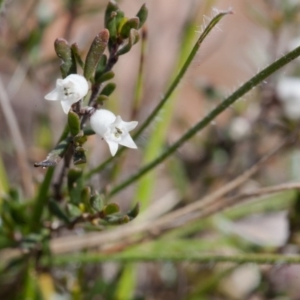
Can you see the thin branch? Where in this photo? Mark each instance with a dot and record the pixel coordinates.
(221, 192)
(183, 70)
(245, 88)
(18, 142)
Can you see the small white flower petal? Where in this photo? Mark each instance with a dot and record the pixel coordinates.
(100, 120)
(66, 106)
(130, 125)
(80, 85)
(113, 147)
(53, 95)
(127, 141)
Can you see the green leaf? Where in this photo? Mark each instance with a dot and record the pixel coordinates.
(133, 39)
(96, 51)
(85, 198)
(130, 24)
(79, 156)
(80, 138)
(97, 202)
(100, 67)
(73, 122)
(108, 89)
(114, 220)
(73, 175)
(64, 52)
(57, 211)
(112, 26)
(142, 15)
(73, 210)
(133, 213)
(76, 53)
(18, 214)
(111, 208)
(112, 6)
(104, 77)
(14, 194)
(120, 20)
(101, 99)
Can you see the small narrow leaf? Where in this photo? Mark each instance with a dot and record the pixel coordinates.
(73, 210)
(120, 20)
(133, 213)
(96, 51)
(57, 211)
(112, 26)
(142, 15)
(73, 175)
(112, 6)
(101, 99)
(104, 77)
(73, 123)
(108, 89)
(97, 202)
(133, 39)
(64, 52)
(114, 220)
(130, 24)
(111, 208)
(76, 53)
(80, 138)
(100, 67)
(79, 156)
(85, 198)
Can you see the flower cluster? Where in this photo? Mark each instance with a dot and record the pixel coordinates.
(111, 128)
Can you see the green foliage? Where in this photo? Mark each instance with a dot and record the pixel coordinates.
(96, 51)
(63, 51)
(108, 89)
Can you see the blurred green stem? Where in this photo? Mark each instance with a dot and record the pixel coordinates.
(191, 257)
(41, 200)
(42, 196)
(254, 81)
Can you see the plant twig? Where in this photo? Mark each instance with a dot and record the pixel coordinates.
(245, 88)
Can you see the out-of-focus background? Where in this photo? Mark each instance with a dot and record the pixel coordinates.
(258, 32)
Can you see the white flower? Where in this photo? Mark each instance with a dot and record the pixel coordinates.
(288, 90)
(113, 129)
(69, 91)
